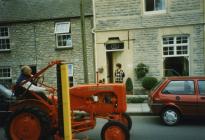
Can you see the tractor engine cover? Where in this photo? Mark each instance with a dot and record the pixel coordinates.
(99, 98)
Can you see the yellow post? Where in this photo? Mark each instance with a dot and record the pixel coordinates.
(66, 102)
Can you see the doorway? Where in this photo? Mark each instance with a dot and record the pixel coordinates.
(110, 67)
(176, 66)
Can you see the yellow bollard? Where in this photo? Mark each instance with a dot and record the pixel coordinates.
(66, 102)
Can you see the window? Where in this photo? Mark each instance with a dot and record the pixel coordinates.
(201, 87)
(5, 76)
(63, 35)
(4, 39)
(179, 88)
(154, 5)
(175, 46)
(70, 74)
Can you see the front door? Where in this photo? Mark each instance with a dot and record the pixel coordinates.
(110, 67)
(201, 97)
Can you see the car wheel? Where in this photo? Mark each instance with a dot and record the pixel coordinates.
(170, 116)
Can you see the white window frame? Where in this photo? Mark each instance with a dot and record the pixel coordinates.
(175, 45)
(63, 32)
(71, 74)
(5, 37)
(155, 11)
(10, 70)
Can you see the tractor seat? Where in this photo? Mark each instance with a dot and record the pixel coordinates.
(5, 93)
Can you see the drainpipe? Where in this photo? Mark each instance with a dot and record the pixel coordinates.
(35, 45)
(94, 33)
(204, 30)
(82, 17)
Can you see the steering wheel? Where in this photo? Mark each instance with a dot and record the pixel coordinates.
(38, 80)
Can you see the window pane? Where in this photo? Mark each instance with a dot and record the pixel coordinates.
(70, 69)
(180, 88)
(168, 50)
(5, 72)
(62, 27)
(70, 74)
(4, 44)
(182, 39)
(171, 52)
(5, 76)
(168, 40)
(4, 31)
(149, 5)
(182, 49)
(4, 38)
(64, 40)
(154, 5)
(159, 4)
(201, 87)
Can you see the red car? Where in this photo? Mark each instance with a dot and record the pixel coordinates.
(175, 97)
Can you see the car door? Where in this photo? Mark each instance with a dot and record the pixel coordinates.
(201, 97)
(181, 93)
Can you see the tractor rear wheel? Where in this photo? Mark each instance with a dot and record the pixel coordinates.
(29, 123)
(114, 130)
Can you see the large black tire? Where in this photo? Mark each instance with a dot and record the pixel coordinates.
(114, 130)
(128, 120)
(170, 116)
(33, 113)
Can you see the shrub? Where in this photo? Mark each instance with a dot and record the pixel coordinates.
(149, 82)
(129, 85)
(141, 70)
(135, 100)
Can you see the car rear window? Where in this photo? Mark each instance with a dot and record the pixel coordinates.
(184, 87)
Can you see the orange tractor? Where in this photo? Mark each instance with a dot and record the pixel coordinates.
(33, 117)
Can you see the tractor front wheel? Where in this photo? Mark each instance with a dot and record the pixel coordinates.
(29, 123)
(114, 130)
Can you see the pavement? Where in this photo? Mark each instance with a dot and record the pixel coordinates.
(138, 109)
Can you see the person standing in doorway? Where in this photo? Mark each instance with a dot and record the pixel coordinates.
(119, 74)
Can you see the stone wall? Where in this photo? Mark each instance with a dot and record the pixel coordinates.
(180, 17)
(35, 44)
(148, 49)
(111, 15)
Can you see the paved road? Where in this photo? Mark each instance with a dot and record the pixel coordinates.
(150, 128)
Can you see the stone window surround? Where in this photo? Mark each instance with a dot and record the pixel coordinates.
(176, 47)
(5, 38)
(154, 11)
(61, 32)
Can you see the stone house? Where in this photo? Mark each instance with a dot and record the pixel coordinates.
(36, 32)
(165, 35)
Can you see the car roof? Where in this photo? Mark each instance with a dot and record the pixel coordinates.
(186, 78)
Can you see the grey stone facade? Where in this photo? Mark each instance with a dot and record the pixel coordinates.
(111, 15)
(35, 44)
(180, 17)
